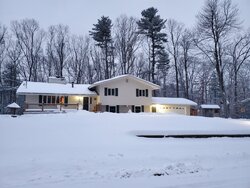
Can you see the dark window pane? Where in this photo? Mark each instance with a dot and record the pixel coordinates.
(133, 108)
(118, 109)
(140, 93)
(44, 99)
(143, 92)
(137, 92)
(109, 91)
(137, 109)
(142, 108)
(112, 109)
(66, 99)
(113, 92)
(107, 108)
(57, 99)
(40, 99)
(105, 91)
(53, 99)
(146, 92)
(49, 99)
(116, 91)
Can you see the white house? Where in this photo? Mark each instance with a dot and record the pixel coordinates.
(120, 94)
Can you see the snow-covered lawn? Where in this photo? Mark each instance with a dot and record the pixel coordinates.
(82, 149)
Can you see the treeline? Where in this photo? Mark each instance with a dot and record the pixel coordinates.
(208, 64)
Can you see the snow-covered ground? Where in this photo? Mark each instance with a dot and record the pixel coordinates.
(83, 149)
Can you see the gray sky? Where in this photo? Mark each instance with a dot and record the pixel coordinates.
(80, 15)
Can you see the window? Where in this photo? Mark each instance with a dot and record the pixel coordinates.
(110, 91)
(44, 99)
(53, 99)
(40, 99)
(57, 99)
(116, 91)
(49, 99)
(66, 99)
(113, 109)
(141, 92)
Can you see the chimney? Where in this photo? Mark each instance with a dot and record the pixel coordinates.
(72, 83)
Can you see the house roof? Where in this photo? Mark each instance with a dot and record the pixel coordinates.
(53, 88)
(172, 101)
(210, 106)
(150, 84)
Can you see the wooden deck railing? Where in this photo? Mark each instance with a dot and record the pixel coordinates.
(43, 106)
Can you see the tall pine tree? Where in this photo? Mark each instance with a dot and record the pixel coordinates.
(151, 26)
(101, 33)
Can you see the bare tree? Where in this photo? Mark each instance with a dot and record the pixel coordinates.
(239, 51)
(29, 37)
(3, 33)
(215, 24)
(79, 60)
(12, 64)
(186, 44)
(174, 31)
(126, 42)
(61, 47)
(50, 52)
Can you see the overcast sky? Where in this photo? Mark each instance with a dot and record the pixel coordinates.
(80, 15)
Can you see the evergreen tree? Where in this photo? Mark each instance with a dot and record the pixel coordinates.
(101, 33)
(151, 26)
(163, 67)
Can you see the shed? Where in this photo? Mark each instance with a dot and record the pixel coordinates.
(244, 109)
(210, 110)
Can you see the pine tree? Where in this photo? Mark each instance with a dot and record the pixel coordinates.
(163, 67)
(101, 33)
(151, 26)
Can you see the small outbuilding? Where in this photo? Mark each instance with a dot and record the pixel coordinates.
(243, 110)
(13, 108)
(210, 110)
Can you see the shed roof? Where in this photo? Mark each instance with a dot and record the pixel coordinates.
(172, 101)
(210, 106)
(27, 88)
(13, 105)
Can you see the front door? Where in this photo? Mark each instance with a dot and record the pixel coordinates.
(86, 103)
(153, 109)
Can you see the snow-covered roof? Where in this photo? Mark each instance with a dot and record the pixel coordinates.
(152, 85)
(13, 105)
(172, 101)
(53, 88)
(210, 106)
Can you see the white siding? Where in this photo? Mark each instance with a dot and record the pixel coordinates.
(178, 109)
(127, 93)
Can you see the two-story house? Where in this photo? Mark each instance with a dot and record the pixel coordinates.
(121, 94)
